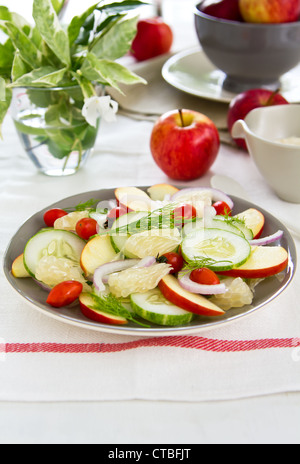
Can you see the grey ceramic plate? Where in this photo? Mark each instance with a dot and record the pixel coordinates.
(36, 297)
(192, 72)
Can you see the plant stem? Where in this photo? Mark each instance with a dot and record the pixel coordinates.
(79, 155)
(66, 161)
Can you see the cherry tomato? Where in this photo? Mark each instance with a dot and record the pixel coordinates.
(64, 293)
(222, 208)
(204, 276)
(53, 214)
(182, 214)
(174, 259)
(86, 228)
(117, 212)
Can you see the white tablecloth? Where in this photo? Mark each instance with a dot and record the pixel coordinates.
(253, 356)
(48, 361)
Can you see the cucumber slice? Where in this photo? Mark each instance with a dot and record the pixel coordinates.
(217, 249)
(239, 224)
(220, 222)
(152, 306)
(216, 224)
(59, 243)
(119, 237)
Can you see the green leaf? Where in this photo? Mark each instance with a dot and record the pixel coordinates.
(58, 5)
(54, 114)
(51, 30)
(20, 22)
(2, 90)
(121, 7)
(57, 148)
(116, 42)
(52, 79)
(5, 14)
(36, 38)
(106, 24)
(108, 72)
(19, 67)
(40, 98)
(6, 57)
(29, 52)
(78, 22)
(86, 86)
(81, 27)
(46, 76)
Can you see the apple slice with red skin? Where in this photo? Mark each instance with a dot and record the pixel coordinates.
(264, 261)
(133, 199)
(96, 252)
(18, 269)
(197, 304)
(86, 303)
(254, 220)
(158, 192)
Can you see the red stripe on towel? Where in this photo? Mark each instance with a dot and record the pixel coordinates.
(188, 342)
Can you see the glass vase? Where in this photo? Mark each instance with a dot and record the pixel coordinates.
(52, 129)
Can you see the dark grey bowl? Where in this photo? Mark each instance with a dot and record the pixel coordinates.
(251, 55)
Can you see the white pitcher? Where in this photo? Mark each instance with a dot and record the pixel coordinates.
(272, 135)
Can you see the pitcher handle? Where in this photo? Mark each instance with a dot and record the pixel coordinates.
(239, 129)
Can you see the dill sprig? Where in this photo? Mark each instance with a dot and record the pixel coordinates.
(108, 303)
(88, 205)
(234, 220)
(202, 261)
(161, 218)
(158, 218)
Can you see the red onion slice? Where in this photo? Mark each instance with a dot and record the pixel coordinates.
(146, 262)
(106, 204)
(106, 269)
(45, 287)
(217, 195)
(267, 240)
(193, 287)
(102, 273)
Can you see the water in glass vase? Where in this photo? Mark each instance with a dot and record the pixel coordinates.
(55, 151)
(52, 130)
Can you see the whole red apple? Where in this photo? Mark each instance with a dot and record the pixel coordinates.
(154, 37)
(184, 144)
(223, 9)
(270, 11)
(247, 101)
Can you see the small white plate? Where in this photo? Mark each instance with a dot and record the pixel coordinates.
(192, 72)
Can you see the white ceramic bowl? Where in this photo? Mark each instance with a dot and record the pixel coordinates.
(263, 130)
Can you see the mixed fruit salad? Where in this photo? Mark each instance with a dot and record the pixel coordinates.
(163, 256)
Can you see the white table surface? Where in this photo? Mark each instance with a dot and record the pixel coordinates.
(263, 419)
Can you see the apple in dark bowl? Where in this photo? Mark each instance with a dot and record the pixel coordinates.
(222, 9)
(251, 54)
